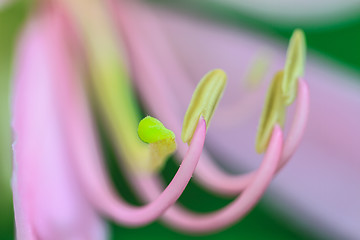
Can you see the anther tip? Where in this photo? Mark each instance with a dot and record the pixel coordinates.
(294, 66)
(204, 101)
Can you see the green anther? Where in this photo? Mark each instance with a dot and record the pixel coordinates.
(273, 113)
(204, 101)
(161, 143)
(294, 66)
(256, 73)
(151, 130)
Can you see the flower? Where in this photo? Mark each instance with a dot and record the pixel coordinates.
(59, 183)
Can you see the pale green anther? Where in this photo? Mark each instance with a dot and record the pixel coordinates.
(273, 113)
(151, 130)
(294, 66)
(256, 73)
(204, 101)
(282, 91)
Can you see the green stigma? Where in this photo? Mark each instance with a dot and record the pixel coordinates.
(161, 143)
(203, 103)
(151, 130)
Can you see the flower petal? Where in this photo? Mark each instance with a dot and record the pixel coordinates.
(48, 201)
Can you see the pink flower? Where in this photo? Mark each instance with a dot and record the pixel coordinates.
(59, 182)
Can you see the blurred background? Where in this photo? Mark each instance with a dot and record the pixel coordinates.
(290, 210)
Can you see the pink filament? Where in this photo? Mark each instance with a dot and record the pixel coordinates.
(150, 77)
(184, 220)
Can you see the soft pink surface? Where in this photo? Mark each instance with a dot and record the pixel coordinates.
(48, 201)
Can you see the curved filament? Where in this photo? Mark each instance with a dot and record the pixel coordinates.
(187, 221)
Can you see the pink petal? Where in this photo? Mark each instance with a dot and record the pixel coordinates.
(48, 201)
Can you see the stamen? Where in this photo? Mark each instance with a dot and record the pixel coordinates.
(283, 90)
(204, 101)
(294, 66)
(161, 142)
(273, 113)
